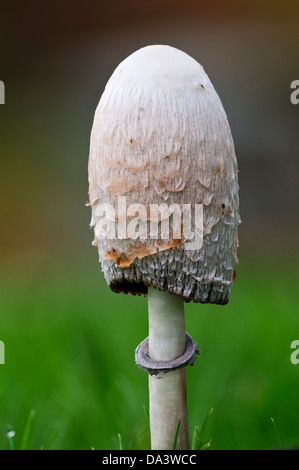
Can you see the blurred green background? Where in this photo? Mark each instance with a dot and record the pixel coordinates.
(69, 341)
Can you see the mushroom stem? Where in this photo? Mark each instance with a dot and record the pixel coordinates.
(167, 392)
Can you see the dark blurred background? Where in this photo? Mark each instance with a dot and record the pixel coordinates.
(55, 58)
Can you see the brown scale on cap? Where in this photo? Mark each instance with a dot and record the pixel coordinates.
(161, 136)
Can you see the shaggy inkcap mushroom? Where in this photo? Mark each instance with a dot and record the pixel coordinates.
(161, 136)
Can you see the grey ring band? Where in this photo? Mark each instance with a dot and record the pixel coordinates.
(153, 367)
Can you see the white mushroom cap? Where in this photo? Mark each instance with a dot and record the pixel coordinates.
(161, 135)
(158, 66)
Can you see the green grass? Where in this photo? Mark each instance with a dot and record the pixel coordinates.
(69, 353)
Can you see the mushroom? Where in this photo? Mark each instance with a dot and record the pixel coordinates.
(163, 189)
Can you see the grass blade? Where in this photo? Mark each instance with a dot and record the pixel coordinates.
(196, 440)
(147, 413)
(176, 435)
(120, 442)
(27, 431)
(206, 446)
(10, 434)
(198, 435)
(277, 434)
(205, 421)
